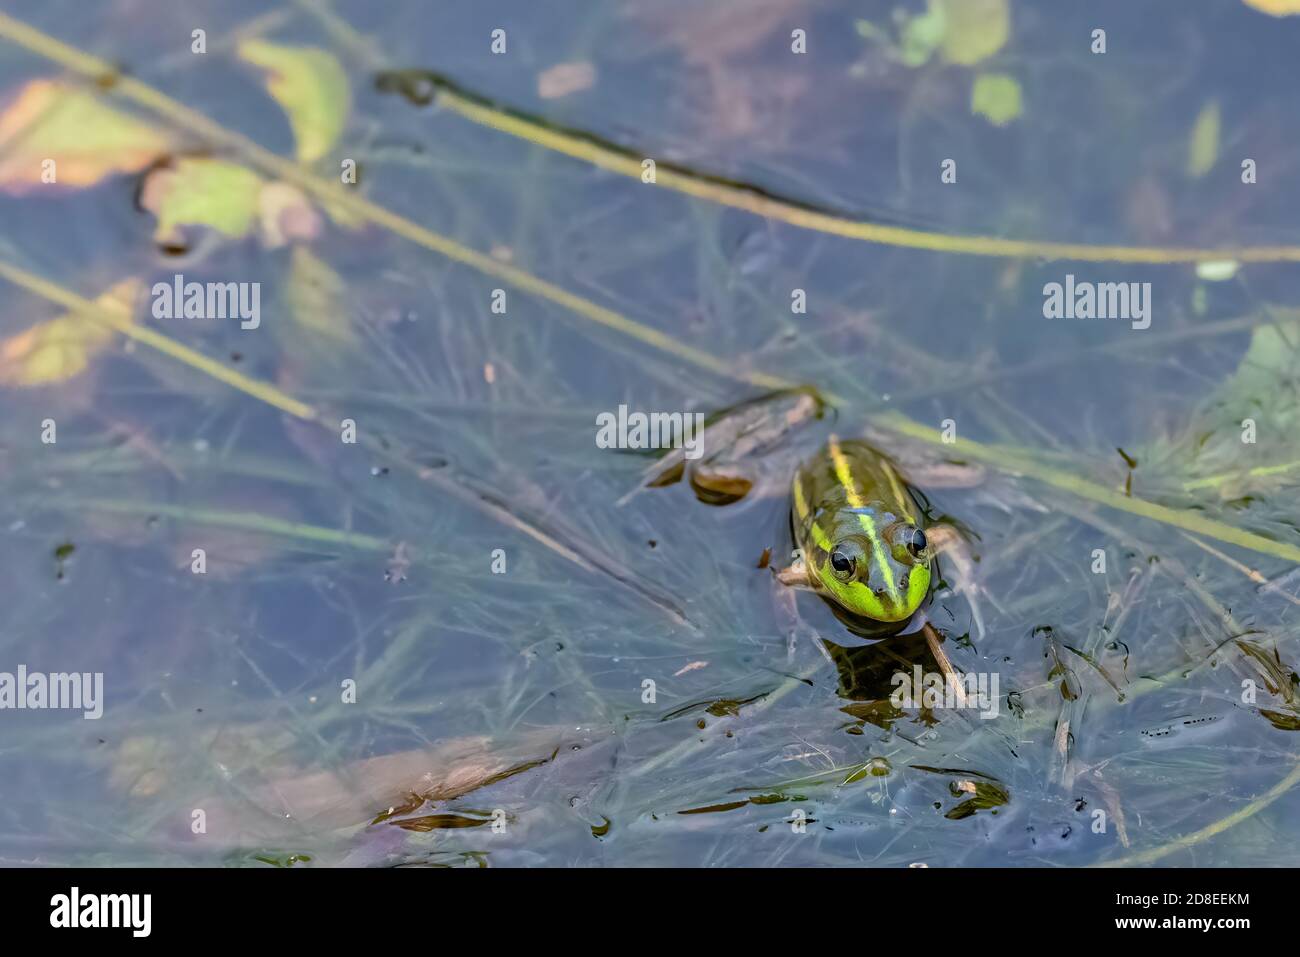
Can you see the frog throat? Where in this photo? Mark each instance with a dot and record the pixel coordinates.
(859, 598)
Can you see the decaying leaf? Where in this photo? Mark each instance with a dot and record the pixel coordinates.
(287, 215)
(53, 133)
(310, 86)
(227, 198)
(198, 191)
(61, 348)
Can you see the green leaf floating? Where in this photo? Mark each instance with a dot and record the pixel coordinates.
(196, 191)
(963, 31)
(996, 96)
(310, 86)
(974, 29)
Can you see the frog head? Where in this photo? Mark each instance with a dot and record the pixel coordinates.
(880, 574)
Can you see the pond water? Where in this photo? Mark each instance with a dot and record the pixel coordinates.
(352, 576)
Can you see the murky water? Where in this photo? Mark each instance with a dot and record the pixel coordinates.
(430, 625)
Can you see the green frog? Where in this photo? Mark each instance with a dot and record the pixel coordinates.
(858, 534)
(863, 538)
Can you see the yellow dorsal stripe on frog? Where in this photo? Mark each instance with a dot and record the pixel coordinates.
(845, 476)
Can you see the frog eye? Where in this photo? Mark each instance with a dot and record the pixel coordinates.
(846, 558)
(909, 543)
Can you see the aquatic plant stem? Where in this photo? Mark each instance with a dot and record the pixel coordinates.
(121, 321)
(588, 149)
(1007, 460)
(244, 521)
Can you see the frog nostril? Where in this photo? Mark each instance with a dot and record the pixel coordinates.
(902, 582)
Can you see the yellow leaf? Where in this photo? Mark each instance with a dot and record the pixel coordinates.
(974, 29)
(1203, 148)
(61, 348)
(196, 191)
(310, 86)
(87, 141)
(996, 97)
(1276, 8)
